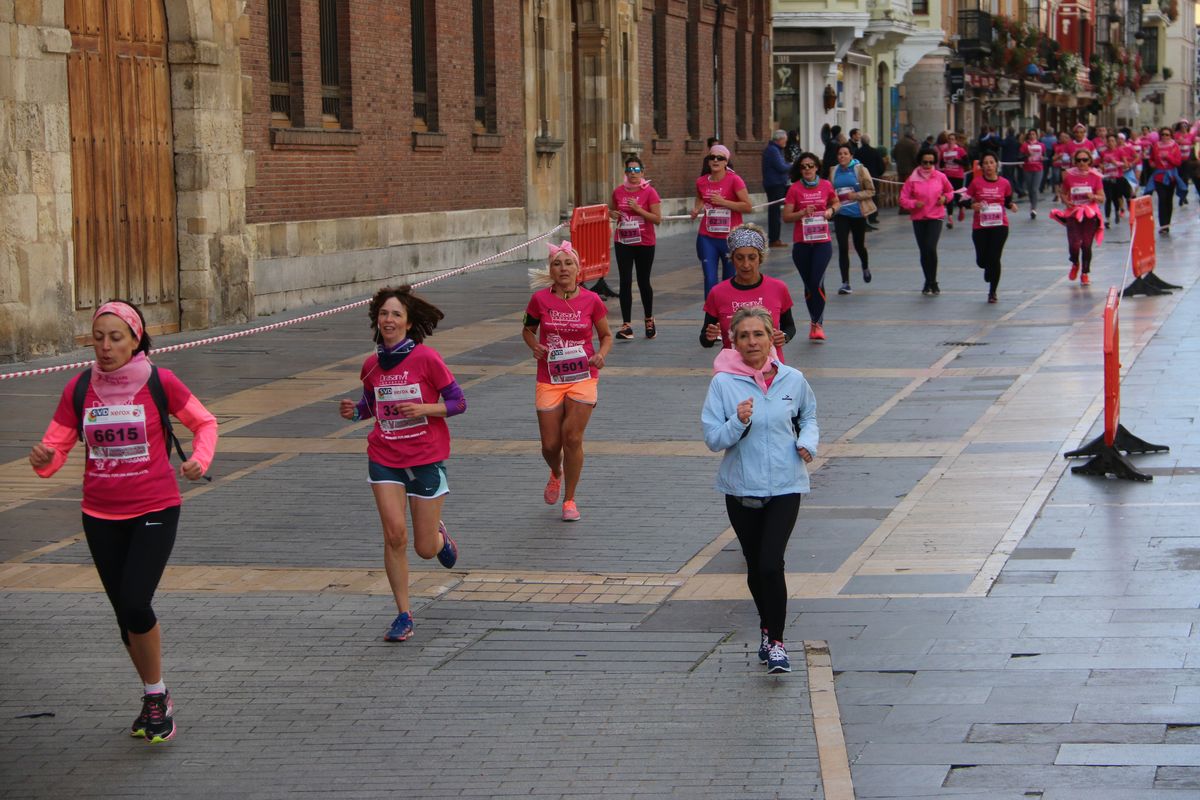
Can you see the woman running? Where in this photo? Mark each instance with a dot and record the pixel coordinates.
(1165, 159)
(926, 194)
(811, 202)
(747, 287)
(558, 326)
(952, 161)
(409, 392)
(763, 414)
(722, 197)
(990, 194)
(121, 410)
(854, 189)
(1032, 170)
(1114, 162)
(636, 209)
(1081, 192)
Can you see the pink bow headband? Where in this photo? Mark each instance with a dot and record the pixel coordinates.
(123, 312)
(565, 247)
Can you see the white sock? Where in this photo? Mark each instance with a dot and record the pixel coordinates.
(156, 688)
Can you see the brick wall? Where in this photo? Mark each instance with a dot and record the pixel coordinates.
(372, 168)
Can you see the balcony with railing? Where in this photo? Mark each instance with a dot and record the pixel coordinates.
(974, 33)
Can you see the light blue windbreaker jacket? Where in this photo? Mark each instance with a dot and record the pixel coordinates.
(764, 462)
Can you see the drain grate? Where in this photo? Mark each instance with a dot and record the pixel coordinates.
(964, 344)
(599, 651)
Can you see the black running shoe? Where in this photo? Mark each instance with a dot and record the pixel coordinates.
(157, 719)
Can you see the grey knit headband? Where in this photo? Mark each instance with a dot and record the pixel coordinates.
(745, 237)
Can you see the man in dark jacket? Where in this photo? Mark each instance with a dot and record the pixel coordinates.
(872, 159)
(775, 182)
(904, 154)
(1010, 153)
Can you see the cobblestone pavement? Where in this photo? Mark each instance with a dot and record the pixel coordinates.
(998, 627)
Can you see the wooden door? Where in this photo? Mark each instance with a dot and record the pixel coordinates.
(122, 168)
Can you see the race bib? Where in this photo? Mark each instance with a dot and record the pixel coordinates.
(991, 215)
(844, 194)
(116, 433)
(814, 229)
(568, 365)
(1112, 169)
(387, 407)
(719, 220)
(1081, 195)
(629, 231)
(1035, 152)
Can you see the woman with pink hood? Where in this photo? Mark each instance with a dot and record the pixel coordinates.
(925, 195)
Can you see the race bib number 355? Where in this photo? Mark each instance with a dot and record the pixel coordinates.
(116, 433)
(387, 407)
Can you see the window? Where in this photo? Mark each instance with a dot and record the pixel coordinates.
(626, 88)
(658, 46)
(335, 63)
(744, 80)
(543, 103)
(424, 64)
(920, 6)
(1149, 49)
(482, 28)
(279, 61)
(693, 69)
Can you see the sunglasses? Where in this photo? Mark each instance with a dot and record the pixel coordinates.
(717, 158)
(1083, 161)
(808, 165)
(927, 163)
(633, 169)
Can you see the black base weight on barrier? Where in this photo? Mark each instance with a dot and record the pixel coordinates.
(1149, 285)
(1111, 460)
(603, 289)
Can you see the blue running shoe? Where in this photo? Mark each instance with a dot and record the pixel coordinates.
(448, 555)
(402, 628)
(764, 646)
(777, 659)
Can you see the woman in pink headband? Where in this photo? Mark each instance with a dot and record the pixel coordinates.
(558, 326)
(130, 496)
(722, 197)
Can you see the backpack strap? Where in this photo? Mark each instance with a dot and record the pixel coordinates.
(78, 397)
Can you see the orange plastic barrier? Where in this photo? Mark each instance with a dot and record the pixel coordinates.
(1108, 451)
(591, 237)
(1141, 228)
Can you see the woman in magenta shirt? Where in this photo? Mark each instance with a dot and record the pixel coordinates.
(722, 197)
(1114, 162)
(811, 203)
(952, 160)
(990, 195)
(1081, 191)
(130, 496)
(748, 287)
(1165, 158)
(409, 392)
(635, 209)
(1031, 170)
(926, 194)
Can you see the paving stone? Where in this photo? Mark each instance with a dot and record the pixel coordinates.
(1182, 755)
(1034, 733)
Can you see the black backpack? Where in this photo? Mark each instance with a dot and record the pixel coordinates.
(160, 402)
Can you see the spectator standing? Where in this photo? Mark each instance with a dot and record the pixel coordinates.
(775, 170)
(1010, 154)
(872, 159)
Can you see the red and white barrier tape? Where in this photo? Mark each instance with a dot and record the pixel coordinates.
(755, 208)
(277, 325)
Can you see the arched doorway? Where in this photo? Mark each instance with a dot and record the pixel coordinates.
(122, 174)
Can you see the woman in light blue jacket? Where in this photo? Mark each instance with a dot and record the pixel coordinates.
(763, 414)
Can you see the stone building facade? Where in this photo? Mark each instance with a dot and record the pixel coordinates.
(314, 167)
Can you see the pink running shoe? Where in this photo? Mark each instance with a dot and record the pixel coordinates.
(570, 511)
(553, 486)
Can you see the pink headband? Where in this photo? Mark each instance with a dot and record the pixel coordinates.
(565, 247)
(719, 150)
(125, 313)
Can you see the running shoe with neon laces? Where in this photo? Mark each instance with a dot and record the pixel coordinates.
(1074, 273)
(448, 555)
(777, 659)
(553, 487)
(402, 628)
(816, 332)
(1085, 279)
(160, 718)
(764, 646)
(570, 511)
(138, 728)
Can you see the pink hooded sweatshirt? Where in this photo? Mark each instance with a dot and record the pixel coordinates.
(926, 190)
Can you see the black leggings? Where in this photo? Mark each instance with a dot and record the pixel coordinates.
(843, 227)
(989, 247)
(928, 231)
(811, 261)
(627, 256)
(1115, 189)
(763, 534)
(1166, 198)
(130, 555)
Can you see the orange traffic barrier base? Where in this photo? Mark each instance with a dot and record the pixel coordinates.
(1108, 451)
(1141, 231)
(591, 237)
